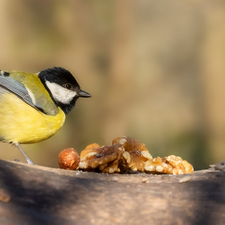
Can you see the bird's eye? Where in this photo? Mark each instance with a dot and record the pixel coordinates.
(68, 86)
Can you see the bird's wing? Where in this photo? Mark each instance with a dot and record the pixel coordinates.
(23, 87)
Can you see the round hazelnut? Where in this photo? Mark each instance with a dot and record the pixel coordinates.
(68, 159)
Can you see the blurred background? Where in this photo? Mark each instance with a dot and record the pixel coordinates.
(155, 70)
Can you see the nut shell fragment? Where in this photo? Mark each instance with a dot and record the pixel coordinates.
(170, 165)
(219, 166)
(4, 195)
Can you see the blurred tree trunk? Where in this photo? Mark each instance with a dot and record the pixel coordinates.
(121, 69)
(213, 76)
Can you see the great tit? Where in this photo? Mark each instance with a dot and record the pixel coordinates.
(33, 107)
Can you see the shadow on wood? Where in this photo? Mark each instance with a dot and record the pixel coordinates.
(41, 195)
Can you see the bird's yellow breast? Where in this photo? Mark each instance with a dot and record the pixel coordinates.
(21, 123)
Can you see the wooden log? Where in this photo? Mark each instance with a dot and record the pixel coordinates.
(31, 195)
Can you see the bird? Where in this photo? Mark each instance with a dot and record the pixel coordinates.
(33, 107)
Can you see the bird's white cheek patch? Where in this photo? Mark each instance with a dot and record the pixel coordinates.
(60, 93)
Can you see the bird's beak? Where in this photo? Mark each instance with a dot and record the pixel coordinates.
(84, 94)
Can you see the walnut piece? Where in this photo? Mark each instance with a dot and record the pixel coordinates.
(129, 154)
(171, 165)
(135, 155)
(105, 158)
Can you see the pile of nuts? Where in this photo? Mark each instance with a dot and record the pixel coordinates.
(124, 154)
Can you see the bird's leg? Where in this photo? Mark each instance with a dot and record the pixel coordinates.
(24, 154)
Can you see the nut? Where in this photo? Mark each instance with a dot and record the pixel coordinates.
(104, 159)
(88, 149)
(135, 155)
(128, 154)
(68, 159)
(170, 165)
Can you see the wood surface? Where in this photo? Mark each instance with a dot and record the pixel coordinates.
(31, 195)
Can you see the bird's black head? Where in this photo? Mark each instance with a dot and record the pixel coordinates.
(62, 87)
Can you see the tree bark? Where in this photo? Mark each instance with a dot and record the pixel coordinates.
(41, 195)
